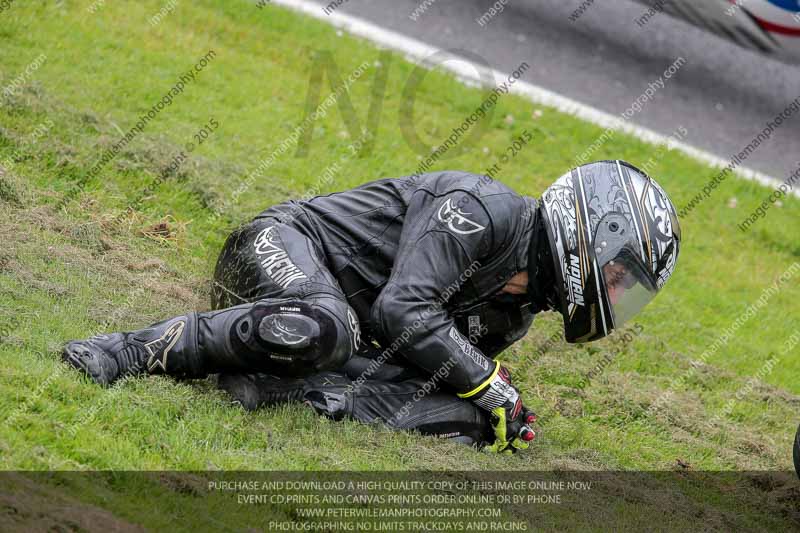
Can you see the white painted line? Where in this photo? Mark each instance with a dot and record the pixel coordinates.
(417, 51)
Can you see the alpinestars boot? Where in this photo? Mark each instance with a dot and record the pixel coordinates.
(280, 337)
(253, 391)
(107, 358)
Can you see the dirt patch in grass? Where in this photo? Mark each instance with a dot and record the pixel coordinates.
(569, 408)
(769, 393)
(35, 508)
(48, 255)
(8, 191)
(187, 484)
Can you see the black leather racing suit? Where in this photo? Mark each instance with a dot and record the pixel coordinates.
(420, 260)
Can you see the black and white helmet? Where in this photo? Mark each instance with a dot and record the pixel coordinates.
(614, 237)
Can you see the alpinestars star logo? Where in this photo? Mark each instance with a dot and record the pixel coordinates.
(159, 349)
(457, 220)
(274, 260)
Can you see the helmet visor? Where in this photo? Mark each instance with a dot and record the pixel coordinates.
(628, 285)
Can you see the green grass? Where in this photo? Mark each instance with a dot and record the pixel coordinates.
(67, 273)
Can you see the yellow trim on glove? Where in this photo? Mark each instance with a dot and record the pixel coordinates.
(483, 385)
(502, 442)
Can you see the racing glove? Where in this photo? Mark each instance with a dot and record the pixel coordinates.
(510, 419)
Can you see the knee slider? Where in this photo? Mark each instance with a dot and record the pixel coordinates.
(293, 333)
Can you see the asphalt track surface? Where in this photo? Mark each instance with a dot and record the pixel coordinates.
(723, 95)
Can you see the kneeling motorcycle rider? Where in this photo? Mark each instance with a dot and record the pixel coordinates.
(389, 302)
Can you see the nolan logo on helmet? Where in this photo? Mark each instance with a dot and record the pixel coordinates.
(575, 284)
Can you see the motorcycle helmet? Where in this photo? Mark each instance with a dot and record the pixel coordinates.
(614, 238)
